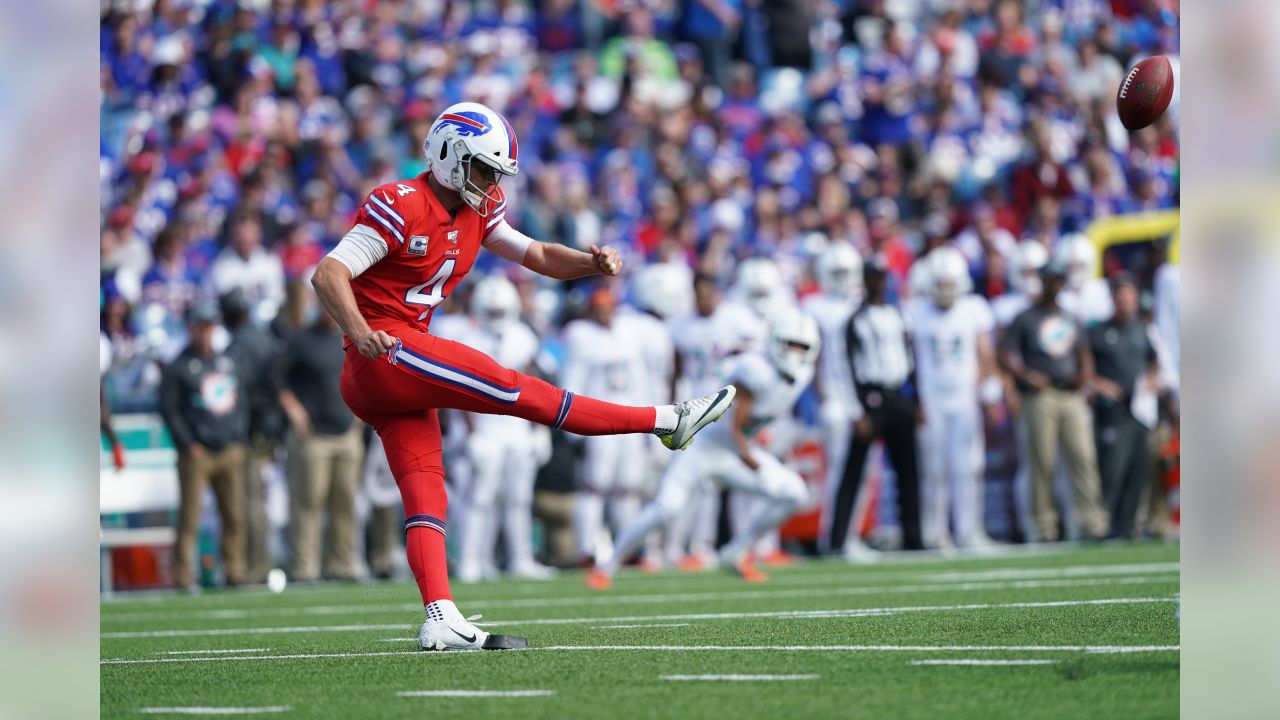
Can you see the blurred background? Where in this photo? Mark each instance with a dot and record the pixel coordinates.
(238, 138)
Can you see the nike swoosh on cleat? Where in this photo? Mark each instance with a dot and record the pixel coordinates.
(719, 397)
(464, 637)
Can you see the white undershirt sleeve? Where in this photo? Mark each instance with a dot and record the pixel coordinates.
(507, 242)
(359, 249)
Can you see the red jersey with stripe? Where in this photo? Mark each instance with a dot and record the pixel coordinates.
(428, 252)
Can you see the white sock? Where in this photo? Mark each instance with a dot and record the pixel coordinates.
(665, 420)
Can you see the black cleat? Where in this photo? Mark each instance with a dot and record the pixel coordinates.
(505, 642)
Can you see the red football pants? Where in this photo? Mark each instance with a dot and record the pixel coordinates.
(398, 395)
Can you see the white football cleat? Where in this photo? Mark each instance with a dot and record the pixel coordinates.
(697, 414)
(533, 571)
(860, 553)
(446, 629)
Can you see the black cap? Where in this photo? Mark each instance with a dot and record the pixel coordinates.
(1053, 269)
(233, 302)
(1123, 279)
(203, 312)
(875, 266)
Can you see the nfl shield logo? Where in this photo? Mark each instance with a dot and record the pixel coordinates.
(453, 236)
(418, 245)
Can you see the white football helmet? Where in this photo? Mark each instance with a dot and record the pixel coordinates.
(838, 270)
(948, 275)
(759, 286)
(465, 133)
(1025, 277)
(664, 289)
(1079, 256)
(793, 343)
(495, 302)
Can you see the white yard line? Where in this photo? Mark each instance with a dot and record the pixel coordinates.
(214, 652)
(642, 599)
(1094, 649)
(984, 663)
(775, 614)
(736, 678)
(476, 693)
(642, 625)
(1061, 572)
(213, 710)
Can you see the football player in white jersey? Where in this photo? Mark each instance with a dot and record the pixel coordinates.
(660, 292)
(838, 270)
(768, 384)
(707, 341)
(1085, 296)
(759, 286)
(951, 328)
(605, 358)
(503, 450)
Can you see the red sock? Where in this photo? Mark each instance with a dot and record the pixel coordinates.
(426, 504)
(589, 416)
(425, 548)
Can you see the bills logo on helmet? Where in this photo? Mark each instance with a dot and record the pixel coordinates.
(467, 123)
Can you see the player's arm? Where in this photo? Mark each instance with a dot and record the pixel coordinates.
(332, 281)
(550, 259)
(741, 418)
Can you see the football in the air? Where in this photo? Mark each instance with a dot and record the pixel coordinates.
(1145, 92)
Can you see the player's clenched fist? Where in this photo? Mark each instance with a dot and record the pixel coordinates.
(607, 260)
(374, 343)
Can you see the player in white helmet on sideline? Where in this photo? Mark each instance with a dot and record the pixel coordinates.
(707, 340)
(659, 292)
(1086, 296)
(761, 287)
(605, 358)
(951, 328)
(504, 451)
(768, 385)
(838, 270)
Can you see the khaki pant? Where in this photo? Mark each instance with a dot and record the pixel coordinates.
(259, 454)
(555, 509)
(1057, 418)
(386, 525)
(324, 474)
(224, 471)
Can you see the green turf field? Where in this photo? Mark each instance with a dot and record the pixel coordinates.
(1091, 630)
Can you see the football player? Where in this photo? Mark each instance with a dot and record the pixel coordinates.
(1086, 295)
(951, 328)
(412, 243)
(707, 339)
(605, 359)
(503, 450)
(838, 270)
(768, 385)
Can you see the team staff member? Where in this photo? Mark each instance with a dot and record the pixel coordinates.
(879, 352)
(325, 452)
(1123, 359)
(1047, 354)
(202, 403)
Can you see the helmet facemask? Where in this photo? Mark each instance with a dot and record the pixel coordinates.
(479, 189)
(945, 291)
(792, 357)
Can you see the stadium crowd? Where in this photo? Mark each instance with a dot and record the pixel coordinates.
(733, 141)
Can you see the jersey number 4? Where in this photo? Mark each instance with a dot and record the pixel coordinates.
(431, 292)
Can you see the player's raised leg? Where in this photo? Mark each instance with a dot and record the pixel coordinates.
(424, 371)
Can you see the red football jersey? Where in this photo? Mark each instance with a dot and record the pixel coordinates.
(428, 252)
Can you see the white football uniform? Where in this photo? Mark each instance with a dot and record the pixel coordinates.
(715, 459)
(503, 460)
(706, 347)
(608, 363)
(706, 344)
(951, 440)
(835, 386)
(658, 351)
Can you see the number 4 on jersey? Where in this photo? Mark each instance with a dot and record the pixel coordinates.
(434, 288)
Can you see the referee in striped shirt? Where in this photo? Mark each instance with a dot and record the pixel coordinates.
(879, 353)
